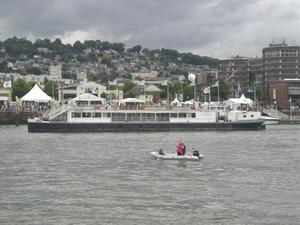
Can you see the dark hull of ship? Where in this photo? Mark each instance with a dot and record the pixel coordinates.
(136, 127)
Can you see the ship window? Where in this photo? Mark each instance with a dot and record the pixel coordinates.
(244, 116)
(118, 116)
(252, 115)
(193, 115)
(86, 114)
(76, 114)
(182, 115)
(173, 115)
(97, 114)
(162, 117)
(107, 115)
(133, 117)
(147, 117)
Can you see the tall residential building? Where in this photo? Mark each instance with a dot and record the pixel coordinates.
(235, 72)
(280, 62)
(255, 66)
(55, 70)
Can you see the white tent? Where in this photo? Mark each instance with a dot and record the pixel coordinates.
(188, 102)
(241, 100)
(88, 97)
(175, 102)
(36, 94)
(131, 100)
(236, 102)
(205, 105)
(245, 100)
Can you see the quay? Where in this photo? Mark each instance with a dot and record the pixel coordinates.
(14, 118)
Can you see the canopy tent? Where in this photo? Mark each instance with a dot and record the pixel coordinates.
(205, 105)
(36, 94)
(88, 99)
(188, 102)
(241, 100)
(4, 98)
(175, 102)
(131, 100)
(236, 102)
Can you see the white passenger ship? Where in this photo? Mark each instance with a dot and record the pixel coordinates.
(88, 116)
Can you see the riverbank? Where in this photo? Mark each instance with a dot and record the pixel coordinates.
(295, 121)
(11, 118)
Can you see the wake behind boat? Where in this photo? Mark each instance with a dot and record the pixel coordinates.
(173, 156)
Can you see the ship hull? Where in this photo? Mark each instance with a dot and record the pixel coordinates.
(136, 127)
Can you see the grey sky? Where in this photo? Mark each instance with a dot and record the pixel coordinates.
(217, 28)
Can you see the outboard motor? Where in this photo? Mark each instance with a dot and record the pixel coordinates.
(196, 153)
(161, 152)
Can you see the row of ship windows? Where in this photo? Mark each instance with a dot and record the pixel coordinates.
(281, 67)
(282, 72)
(120, 115)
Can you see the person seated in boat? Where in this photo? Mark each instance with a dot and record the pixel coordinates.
(179, 148)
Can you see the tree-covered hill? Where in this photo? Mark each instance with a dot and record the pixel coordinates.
(16, 47)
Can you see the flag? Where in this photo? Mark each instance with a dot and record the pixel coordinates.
(239, 87)
(250, 90)
(7, 84)
(274, 94)
(216, 84)
(206, 90)
(18, 101)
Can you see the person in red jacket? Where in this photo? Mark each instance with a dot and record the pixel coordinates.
(179, 148)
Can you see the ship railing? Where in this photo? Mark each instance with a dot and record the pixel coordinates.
(275, 113)
(57, 111)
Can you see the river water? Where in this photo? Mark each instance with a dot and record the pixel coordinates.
(246, 177)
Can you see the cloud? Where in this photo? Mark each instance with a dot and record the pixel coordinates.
(218, 28)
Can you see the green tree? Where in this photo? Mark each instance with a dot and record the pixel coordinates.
(136, 49)
(98, 77)
(92, 57)
(146, 51)
(258, 95)
(15, 46)
(20, 87)
(78, 47)
(188, 92)
(34, 70)
(51, 88)
(118, 47)
(67, 57)
(224, 89)
(128, 85)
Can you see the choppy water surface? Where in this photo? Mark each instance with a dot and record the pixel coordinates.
(109, 178)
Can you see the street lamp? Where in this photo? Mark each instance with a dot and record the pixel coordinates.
(192, 78)
(291, 109)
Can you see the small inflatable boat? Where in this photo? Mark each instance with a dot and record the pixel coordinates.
(173, 156)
